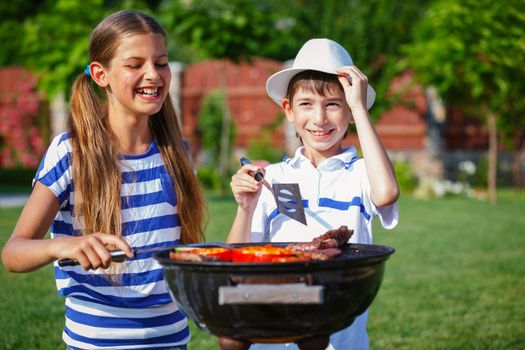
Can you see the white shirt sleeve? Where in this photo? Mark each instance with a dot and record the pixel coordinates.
(389, 215)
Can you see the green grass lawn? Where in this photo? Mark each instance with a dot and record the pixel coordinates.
(456, 280)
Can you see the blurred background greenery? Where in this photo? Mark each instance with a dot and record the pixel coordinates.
(471, 52)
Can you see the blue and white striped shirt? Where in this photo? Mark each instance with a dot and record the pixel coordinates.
(138, 312)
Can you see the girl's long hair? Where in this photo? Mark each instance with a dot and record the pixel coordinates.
(96, 172)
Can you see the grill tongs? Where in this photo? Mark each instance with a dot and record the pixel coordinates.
(287, 196)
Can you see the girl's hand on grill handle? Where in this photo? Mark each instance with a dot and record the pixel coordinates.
(91, 251)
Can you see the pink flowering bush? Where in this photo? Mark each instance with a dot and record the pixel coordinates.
(21, 126)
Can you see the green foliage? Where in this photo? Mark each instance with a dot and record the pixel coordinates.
(58, 49)
(263, 149)
(210, 128)
(52, 36)
(479, 180)
(209, 178)
(371, 31)
(35, 33)
(13, 14)
(368, 29)
(235, 29)
(405, 177)
(472, 51)
(210, 125)
(16, 176)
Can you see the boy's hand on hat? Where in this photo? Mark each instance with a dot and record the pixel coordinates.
(355, 85)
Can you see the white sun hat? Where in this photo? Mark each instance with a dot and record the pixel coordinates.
(323, 55)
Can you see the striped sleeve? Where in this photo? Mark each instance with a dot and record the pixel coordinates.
(54, 170)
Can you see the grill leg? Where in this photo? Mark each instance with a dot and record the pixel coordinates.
(314, 343)
(232, 344)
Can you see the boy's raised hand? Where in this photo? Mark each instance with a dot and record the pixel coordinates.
(355, 85)
(245, 188)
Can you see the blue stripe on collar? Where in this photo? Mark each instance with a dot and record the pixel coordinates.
(349, 164)
(347, 157)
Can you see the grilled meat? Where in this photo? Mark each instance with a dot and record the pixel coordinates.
(323, 247)
(328, 240)
(341, 235)
(322, 254)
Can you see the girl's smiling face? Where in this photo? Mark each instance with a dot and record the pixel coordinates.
(138, 77)
(321, 121)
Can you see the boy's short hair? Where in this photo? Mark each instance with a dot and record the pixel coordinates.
(319, 82)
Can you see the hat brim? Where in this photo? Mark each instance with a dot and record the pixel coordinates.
(277, 85)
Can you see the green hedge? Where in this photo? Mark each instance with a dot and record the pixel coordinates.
(16, 180)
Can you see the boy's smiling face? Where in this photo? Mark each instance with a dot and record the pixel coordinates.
(321, 121)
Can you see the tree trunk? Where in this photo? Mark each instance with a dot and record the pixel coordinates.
(493, 155)
(517, 159)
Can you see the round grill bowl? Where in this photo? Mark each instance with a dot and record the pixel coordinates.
(277, 302)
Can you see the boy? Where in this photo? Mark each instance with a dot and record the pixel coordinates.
(321, 95)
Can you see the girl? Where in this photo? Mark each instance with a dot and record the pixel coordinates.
(120, 178)
(321, 95)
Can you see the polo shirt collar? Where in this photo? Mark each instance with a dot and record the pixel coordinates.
(345, 158)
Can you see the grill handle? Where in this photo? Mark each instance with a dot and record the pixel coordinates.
(288, 293)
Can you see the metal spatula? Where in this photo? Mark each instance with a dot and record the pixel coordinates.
(287, 196)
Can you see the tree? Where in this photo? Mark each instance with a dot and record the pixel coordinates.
(233, 30)
(473, 51)
(372, 32)
(56, 48)
(13, 13)
(55, 38)
(210, 124)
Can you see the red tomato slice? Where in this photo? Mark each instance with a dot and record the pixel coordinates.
(224, 254)
(259, 253)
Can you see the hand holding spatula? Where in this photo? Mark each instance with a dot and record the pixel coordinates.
(287, 196)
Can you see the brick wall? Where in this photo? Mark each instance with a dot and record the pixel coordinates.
(403, 128)
(245, 83)
(400, 128)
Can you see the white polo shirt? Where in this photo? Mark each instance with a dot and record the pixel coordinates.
(335, 193)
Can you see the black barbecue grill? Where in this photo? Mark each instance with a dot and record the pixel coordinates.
(277, 302)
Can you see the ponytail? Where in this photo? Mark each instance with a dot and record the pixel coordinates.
(95, 171)
(191, 203)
